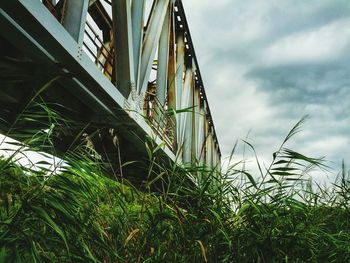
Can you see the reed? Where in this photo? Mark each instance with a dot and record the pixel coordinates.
(77, 212)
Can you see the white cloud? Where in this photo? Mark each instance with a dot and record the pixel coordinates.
(236, 107)
(325, 43)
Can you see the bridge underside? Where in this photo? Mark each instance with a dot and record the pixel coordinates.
(117, 138)
(108, 93)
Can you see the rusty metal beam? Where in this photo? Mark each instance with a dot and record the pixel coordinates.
(172, 64)
(181, 13)
(171, 92)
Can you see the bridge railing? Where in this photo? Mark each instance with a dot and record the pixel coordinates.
(98, 51)
(160, 119)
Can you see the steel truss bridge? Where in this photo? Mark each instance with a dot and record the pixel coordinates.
(129, 65)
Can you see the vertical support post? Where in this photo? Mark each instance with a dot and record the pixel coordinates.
(180, 67)
(214, 154)
(196, 112)
(123, 46)
(74, 18)
(217, 159)
(137, 15)
(205, 134)
(171, 94)
(201, 136)
(187, 119)
(209, 147)
(150, 42)
(212, 149)
(163, 54)
(171, 64)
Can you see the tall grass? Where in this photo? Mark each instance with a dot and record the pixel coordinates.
(79, 212)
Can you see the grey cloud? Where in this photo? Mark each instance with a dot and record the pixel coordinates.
(230, 64)
(322, 91)
(304, 83)
(279, 19)
(300, 16)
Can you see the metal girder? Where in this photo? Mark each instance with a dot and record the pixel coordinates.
(211, 160)
(186, 119)
(123, 46)
(184, 104)
(74, 18)
(214, 155)
(36, 21)
(217, 157)
(208, 145)
(196, 111)
(194, 122)
(180, 68)
(150, 42)
(200, 136)
(18, 34)
(179, 71)
(163, 55)
(171, 92)
(137, 15)
(171, 63)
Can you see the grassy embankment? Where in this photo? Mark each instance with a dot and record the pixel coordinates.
(81, 213)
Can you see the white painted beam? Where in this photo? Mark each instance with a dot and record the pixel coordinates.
(163, 56)
(74, 18)
(150, 42)
(179, 81)
(196, 117)
(186, 125)
(201, 136)
(123, 46)
(137, 17)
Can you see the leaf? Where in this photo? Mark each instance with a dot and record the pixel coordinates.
(52, 224)
(172, 111)
(160, 146)
(297, 156)
(283, 173)
(3, 255)
(128, 163)
(131, 235)
(284, 169)
(295, 129)
(256, 156)
(204, 254)
(250, 177)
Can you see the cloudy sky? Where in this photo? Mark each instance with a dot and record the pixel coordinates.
(267, 63)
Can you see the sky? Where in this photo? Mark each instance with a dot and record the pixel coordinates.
(266, 64)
